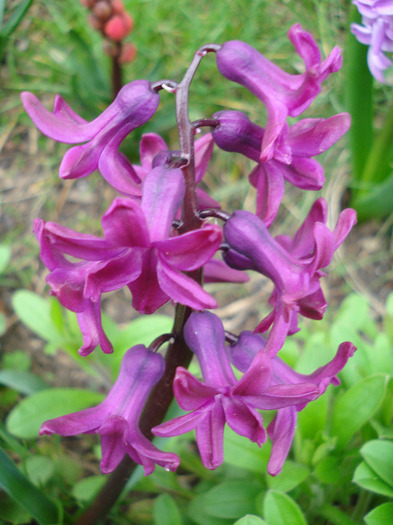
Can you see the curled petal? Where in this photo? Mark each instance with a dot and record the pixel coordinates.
(281, 431)
(189, 392)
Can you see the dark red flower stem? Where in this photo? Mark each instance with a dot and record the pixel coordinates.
(117, 73)
(178, 353)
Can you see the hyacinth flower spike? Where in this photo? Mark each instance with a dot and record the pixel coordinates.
(247, 354)
(291, 159)
(294, 266)
(220, 398)
(137, 251)
(134, 105)
(116, 418)
(282, 93)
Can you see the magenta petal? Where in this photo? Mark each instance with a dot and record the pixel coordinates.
(191, 250)
(148, 455)
(147, 292)
(89, 321)
(310, 137)
(189, 392)
(243, 419)
(280, 396)
(113, 433)
(80, 161)
(204, 334)
(163, 191)
(150, 145)
(270, 190)
(87, 420)
(216, 271)
(257, 378)
(203, 152)
(281, 431)
(346, 220)
(118, 171)
(304, 173)
(124, 224)
(183, 424)
(182, 289)
(210, 437)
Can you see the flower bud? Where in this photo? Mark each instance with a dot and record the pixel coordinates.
(102, 10)
(127, 53)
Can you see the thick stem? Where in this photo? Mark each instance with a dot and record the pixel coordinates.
(117, 80)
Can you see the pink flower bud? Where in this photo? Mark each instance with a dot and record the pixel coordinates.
(116, 28)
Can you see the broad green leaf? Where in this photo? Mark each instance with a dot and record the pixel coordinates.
(366, 478)
(24, 492)
(312, 419)
(381, 515)
(280, 509)
(39, 469)
(25, 419)
(356, 406)
(378, 454)
(35, 312)
(13, 512)
(87, 488)
(328, 470)
(231, 499)
(241, 452)
(250, 520)
(291, 476)
(21, 381)
(165, 511)
(197, 513)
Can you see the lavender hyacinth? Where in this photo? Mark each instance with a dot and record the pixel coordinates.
(159, 242)
(375, 31)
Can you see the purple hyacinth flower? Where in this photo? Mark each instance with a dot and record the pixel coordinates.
(294, 265)
(220, 398)
(134, 105)
(283, 94)
(291, 158)
(153, 152)
(376, 31)
(116, 418)
(137, 251)
(248, 356)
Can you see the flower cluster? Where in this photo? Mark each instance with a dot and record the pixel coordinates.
(376, 31)
(159, 242)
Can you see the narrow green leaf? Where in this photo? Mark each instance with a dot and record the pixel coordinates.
(358, 83)
(165, 511)
(25, 419)
(5, 257)
(356, 406)
(280, 509)
(381, 515)
(24, 492)
(15, 19)
(378, 454)
(366, 478)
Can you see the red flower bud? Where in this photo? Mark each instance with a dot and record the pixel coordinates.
(127, 53)
(116, 28)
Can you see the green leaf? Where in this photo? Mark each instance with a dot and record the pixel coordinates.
(356, 406)
(16, 18)
(366, 478)
(25, 419)
(328, 470)
(165, 511)
(241, 452)
(231, 499)
(280, 509)
(39, 469)
(24, 492)
(35, 312)
(381, 515)
(21, 381)
(250, 520)
(291, 476)
(378, 454)
(5, 257)
(87, 488)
